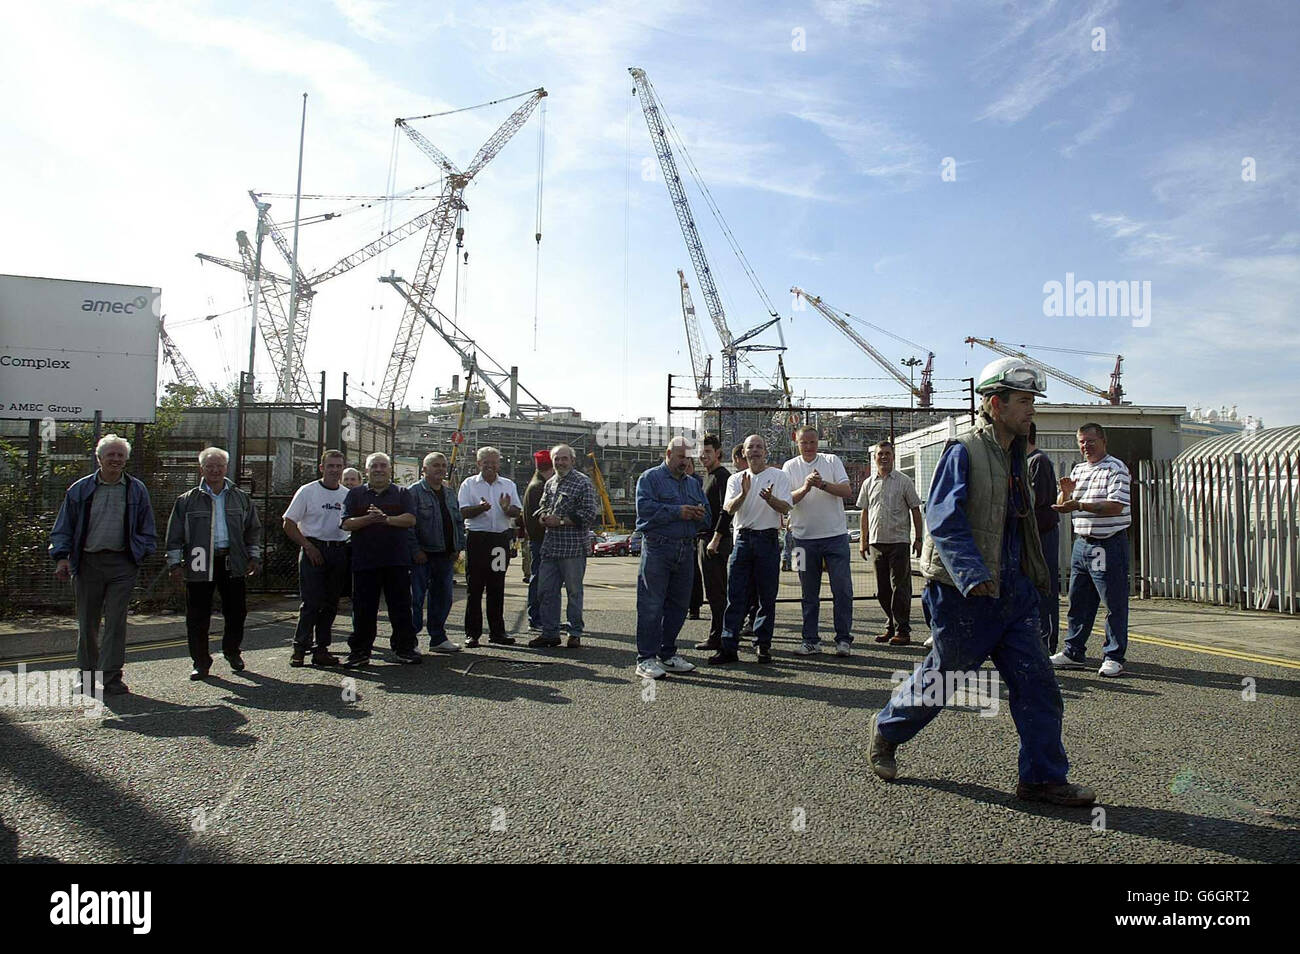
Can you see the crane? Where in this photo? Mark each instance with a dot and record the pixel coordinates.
(274, 325)
(503, 383)
(172, 353)
(419, 309)
(701, 365)
(1114, 395)
(606, 508)
(923, 393)
(732, 349)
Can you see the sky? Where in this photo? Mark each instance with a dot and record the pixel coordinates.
(928, 167)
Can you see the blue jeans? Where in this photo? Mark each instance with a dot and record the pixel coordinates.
(557, 570)
(1099, 574)
(968, 630)
(1049, 610)
(663, 594)
(753, 573)
(534, 607)
(433, 579)
(808, 557)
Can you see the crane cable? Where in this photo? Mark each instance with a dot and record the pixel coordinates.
(715, 209)
(537, 261)
(465, 109)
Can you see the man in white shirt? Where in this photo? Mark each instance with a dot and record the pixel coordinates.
(1096, 495)
(885, 500)
(489, 503)
(756, 498)
(312, 521)
(820, 486)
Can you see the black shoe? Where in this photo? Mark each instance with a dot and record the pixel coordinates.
(723, 657)
(471, 642)
(236, 661)
(764, 653)
(196, 674)
(409, 658)
(299, 658)
(713, 644)
(356, 661)
(323, 657)
(503, 640)
(543, 642)
(747, 631)
(116, 688)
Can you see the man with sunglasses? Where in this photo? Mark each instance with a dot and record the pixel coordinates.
(984, 569)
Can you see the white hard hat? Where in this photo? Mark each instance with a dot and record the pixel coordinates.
(1013, 374)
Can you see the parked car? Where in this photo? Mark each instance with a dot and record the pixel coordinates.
(613, 545)
(634, 543)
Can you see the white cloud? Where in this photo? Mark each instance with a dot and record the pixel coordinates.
(364, 17)
(1105, 118)
(1054, 61)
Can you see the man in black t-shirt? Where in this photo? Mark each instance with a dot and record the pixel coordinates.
(379, 515)
(714, 544)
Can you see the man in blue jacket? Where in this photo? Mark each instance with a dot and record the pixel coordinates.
(670, 511)
(984, 567)
(103, 532)
(438, 538)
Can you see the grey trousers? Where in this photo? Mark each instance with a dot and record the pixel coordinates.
(103, 586)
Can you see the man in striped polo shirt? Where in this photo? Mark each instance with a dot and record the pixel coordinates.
(1096, 495)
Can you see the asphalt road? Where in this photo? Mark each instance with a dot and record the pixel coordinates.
(511, 754)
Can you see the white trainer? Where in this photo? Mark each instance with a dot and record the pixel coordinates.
(1110, 668)
(1062, 661)
(929, 642)
(651, 669)
(807, 649)
(446, 646)
(843, 648)
(676, 664)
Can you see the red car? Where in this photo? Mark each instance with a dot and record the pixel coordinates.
(613, 546)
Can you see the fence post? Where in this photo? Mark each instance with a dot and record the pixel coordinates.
(1239, 528)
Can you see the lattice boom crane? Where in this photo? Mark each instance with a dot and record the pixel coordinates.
(1115, 395)
(923, 393)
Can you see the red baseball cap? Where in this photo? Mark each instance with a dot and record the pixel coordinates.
(542, 458)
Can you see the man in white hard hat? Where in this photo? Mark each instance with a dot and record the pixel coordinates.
(984, 569)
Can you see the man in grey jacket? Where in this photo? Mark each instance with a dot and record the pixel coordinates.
(214, 540)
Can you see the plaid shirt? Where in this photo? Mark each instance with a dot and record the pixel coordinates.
(572, 496)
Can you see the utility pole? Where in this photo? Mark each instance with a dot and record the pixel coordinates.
(911, 364)
(262, 208)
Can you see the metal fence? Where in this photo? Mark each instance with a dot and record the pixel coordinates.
(1222, 530)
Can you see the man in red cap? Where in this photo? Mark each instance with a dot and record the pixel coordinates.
(536, 532)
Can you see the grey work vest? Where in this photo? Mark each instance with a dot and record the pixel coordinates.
(986, 510)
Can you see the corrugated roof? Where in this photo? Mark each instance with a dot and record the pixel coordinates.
(1274, 440)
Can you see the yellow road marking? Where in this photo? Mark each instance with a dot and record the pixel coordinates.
(1215, 651)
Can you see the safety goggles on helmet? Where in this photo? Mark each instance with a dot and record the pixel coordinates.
(1014, 375)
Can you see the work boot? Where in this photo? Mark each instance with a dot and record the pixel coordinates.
(712, 644)
(299, 657)
(1077, 796)
(881, 754)
(723, 657)
(323, 657)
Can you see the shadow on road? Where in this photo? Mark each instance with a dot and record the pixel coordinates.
(1239, 839)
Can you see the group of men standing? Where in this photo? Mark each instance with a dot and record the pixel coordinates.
(988, 559)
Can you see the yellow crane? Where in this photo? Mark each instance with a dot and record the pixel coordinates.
(607, 521)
